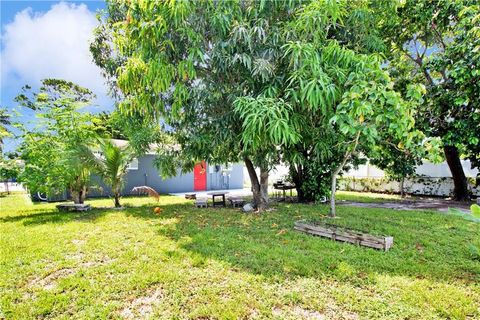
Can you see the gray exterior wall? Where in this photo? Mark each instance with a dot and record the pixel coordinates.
(147, 174)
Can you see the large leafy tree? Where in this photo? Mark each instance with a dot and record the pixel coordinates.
(436, 43)
(188, 62)
(253, 81)
(49, 148)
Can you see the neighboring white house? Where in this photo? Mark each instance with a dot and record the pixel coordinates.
(430, 179)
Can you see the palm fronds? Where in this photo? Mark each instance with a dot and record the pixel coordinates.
(147, 190)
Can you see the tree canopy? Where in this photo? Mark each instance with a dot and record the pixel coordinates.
(49, 149)
(436, 43)
(263, 82)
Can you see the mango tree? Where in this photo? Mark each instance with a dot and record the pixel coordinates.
(208, 69)
(436, 43)
(370, 113)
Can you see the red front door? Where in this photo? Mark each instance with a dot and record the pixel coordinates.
(200, 176)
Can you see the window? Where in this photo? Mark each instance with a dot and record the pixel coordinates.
(133, 165)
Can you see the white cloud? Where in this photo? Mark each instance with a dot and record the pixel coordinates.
(52, 44)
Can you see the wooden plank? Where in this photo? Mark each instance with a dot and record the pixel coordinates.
(73, 207)
(346, 235)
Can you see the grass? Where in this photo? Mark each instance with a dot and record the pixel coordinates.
(367, 196)
(192, 263)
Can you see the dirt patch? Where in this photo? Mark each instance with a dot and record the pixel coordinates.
(49, 282)
(78, 242)
(424, 204)
(297, 312)
(142, 307)
(96, 263)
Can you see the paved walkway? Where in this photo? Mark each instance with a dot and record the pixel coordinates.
(231, 192)
(12, 186)
(423, 204)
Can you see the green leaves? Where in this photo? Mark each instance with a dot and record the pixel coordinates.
(51, 166)
(267, 122)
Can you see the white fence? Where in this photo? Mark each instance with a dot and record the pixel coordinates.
(430, 179)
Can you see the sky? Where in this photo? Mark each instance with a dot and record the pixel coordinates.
(48, 39)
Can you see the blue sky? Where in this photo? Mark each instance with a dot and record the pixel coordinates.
(41, 39)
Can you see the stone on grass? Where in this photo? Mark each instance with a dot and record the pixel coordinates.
(248, 207)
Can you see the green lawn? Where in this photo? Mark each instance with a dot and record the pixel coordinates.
(192, 263)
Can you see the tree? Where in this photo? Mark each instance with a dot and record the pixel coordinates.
(436, 43)
(185, 67)
(110, 164)
(48, 150)
(371, 113)
(109, 124)
(4, 122)
(9, 170)
(315, 83)
(210, 69)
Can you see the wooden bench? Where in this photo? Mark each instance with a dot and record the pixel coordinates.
(236, 201)
(73, 207)
(201, 202)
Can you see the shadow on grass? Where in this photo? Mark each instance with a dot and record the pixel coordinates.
(37, 216)
(427, 245)
(54, 216)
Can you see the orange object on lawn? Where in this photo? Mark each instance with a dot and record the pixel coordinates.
(157, 210)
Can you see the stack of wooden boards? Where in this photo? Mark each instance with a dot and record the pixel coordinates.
(338, 233)
(73, 207)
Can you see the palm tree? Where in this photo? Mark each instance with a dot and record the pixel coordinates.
(110, 163)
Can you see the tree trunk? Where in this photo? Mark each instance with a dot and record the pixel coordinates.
(297, 176)
(460, 190)
(402, 188)
(259, 188)
(78, 196)
(337, 171)
(117, 200)
(333, 210)
(263, 203)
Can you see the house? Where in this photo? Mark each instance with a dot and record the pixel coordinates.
(204, 177)
(430, 179)
(142, 172)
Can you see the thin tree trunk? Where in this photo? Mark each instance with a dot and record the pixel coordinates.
(460, 190)
(117, 200)
(81, 197)
(259, 187)
(335, 174)
(402, 184)
(333, 190)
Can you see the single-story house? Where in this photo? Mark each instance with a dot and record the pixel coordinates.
(142, 172)
(205, 176)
